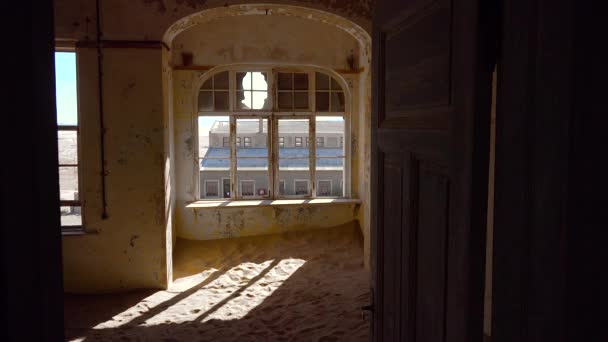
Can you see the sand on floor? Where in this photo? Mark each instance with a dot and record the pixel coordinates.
(298, 286)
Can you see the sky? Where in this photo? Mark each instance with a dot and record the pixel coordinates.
(65, 84)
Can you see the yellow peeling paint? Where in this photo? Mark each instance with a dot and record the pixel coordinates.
(221, 223)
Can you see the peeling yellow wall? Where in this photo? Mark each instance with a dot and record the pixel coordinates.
(147, 127)
(126, 250)
(237, 222)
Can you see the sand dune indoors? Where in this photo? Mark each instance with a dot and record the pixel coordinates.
(305, 286)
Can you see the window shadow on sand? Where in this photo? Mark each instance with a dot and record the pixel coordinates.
(319, 301)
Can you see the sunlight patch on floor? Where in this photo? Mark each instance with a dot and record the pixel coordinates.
(228, 296)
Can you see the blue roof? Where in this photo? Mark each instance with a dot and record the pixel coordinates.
(223, 153)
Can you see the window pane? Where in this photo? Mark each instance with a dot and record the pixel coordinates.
(253, 177)
(243, 100)
(301, 100)
(300, 81)
(214, 157)
(221, 100)
(322, 100)
(71, 216)
(294, 162)
(331, 156)
(211, 188)
(324, 188)
(240, 83)
(68, 183)
(205, 101)
(322, 81)
(335, 85)
(221, 81)
(337, 102)
(285, 81)
(208, 84)
(67, 142)
(285, 101)
(66, 88)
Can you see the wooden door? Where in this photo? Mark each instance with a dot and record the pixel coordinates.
(432, 63)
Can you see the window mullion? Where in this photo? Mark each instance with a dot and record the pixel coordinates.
(274, 155)
(233, 186)
(313, 157)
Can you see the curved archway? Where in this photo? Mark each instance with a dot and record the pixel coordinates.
(208, 15)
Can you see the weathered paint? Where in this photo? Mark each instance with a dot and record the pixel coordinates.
(223, 223)
(229, 40)
(148, 124)
(129, 248)
(150, 20)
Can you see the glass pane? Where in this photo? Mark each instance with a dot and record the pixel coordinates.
(322, 101)
(253, 177)
(322, 81)
(254, 131)
(208, 84)
(67, 142)
(66, 88)
(214, 157)
(331, 129)
(335, 85)
(301, 100)
(259, 99)
(221, 81)
(68, 183)
(324, 188)
(211, 188)
(300, 81)
(71, 216)
(240, 83)
(205, 101)
(285, 101)
(294, 162)
(331, 156)
(337, 102)
(243, 101)
(285, 81)
(221, 100)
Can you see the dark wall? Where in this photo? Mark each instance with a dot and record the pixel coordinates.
(31, 284)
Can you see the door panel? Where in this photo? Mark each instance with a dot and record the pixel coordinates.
(430, 130)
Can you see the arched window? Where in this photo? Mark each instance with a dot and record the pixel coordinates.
(255, 129)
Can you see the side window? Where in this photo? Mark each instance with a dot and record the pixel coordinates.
(68, 136)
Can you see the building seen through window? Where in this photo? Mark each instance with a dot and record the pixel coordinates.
(236, 150)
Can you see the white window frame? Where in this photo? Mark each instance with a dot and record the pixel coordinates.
(282, 181)
(273, 115)
(225, 141)
(217, 182)
(330, 186)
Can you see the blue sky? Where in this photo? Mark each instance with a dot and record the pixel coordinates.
(65, 84)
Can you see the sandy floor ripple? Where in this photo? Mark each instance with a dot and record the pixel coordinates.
(299, 286)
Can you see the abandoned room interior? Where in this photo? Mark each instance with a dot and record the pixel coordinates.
(303, 170)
